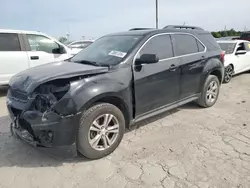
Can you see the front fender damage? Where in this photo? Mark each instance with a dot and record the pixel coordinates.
(50, 115)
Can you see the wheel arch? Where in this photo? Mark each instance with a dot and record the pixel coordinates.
(113, 99)
(212, 67)
(231, 65)
(218, 74)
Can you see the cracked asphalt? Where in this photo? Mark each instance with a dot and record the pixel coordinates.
(187, 147)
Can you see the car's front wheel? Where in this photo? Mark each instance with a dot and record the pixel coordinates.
(229, 71)
(210, 92)
(101, 130)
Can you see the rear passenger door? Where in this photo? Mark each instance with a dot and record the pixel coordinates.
(191, 53)
(156, 85)
(43, 50)
(13, 58)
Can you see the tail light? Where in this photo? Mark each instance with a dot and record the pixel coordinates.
(222, 56)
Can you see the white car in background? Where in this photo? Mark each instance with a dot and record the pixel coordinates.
(77, 46)
(20, 50)
(237, 57)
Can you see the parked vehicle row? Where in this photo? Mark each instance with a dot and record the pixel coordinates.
(237, 57)
(244, 36)
(20, 50)
(77, 46)
(90, 99)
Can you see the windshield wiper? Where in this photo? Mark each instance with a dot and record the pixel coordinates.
(86, 62)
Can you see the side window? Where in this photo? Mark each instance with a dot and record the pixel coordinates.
(241, 46)
(42, 43)
(160, 45)
(9, 42)
(201, 48)
(185, 44)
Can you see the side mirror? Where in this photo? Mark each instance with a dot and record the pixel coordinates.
(241, 52)
(147, 59)
(59, 50)
(62, 50)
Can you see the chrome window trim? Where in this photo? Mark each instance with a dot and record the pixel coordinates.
(160, 34)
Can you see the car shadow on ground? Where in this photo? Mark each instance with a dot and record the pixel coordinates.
(14, 152)
(190, 106)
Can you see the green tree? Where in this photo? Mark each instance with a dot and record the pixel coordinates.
(224, 34)
(63, 39)
(216, 34)
(231, 32)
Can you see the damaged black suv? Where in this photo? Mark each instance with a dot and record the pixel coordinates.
(89, 100)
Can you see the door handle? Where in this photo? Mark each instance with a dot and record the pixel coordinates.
(172, 67)
(34, 57)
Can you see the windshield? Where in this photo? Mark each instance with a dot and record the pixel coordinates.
(109, 50)
(227, 47)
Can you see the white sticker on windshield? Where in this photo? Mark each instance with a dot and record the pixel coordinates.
(118, 54)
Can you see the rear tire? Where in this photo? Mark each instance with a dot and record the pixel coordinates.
(210, 92)
(100, 131)
(229, 71)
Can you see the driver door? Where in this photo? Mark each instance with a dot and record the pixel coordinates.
(43, 50)
(156, 85)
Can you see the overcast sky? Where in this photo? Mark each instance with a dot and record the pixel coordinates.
(94, 18)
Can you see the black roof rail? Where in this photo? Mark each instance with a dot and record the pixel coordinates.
(182, 27)
(136, 29)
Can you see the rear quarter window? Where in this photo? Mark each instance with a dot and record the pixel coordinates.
(201, 47)
(185, 44)
(209, 41)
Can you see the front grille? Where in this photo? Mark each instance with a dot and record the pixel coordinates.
(18, 95)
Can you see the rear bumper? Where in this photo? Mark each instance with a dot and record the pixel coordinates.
(44, 130)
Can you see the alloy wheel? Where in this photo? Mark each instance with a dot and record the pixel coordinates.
(228, 74)
(103, 132)
(212, 92)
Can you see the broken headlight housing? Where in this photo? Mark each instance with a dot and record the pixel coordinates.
(48, 94)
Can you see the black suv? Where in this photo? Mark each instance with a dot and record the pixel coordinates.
(122, 78)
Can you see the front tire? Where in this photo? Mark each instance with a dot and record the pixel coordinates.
(100, 131)
(210, 92)
(229, 71)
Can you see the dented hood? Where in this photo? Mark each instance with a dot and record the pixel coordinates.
(29, 79)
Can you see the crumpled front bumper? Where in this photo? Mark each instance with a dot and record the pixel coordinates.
(42, 129)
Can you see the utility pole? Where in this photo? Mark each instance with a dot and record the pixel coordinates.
(156, 17)
(68, 33)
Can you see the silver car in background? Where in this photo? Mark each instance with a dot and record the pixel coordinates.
(77, 46)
